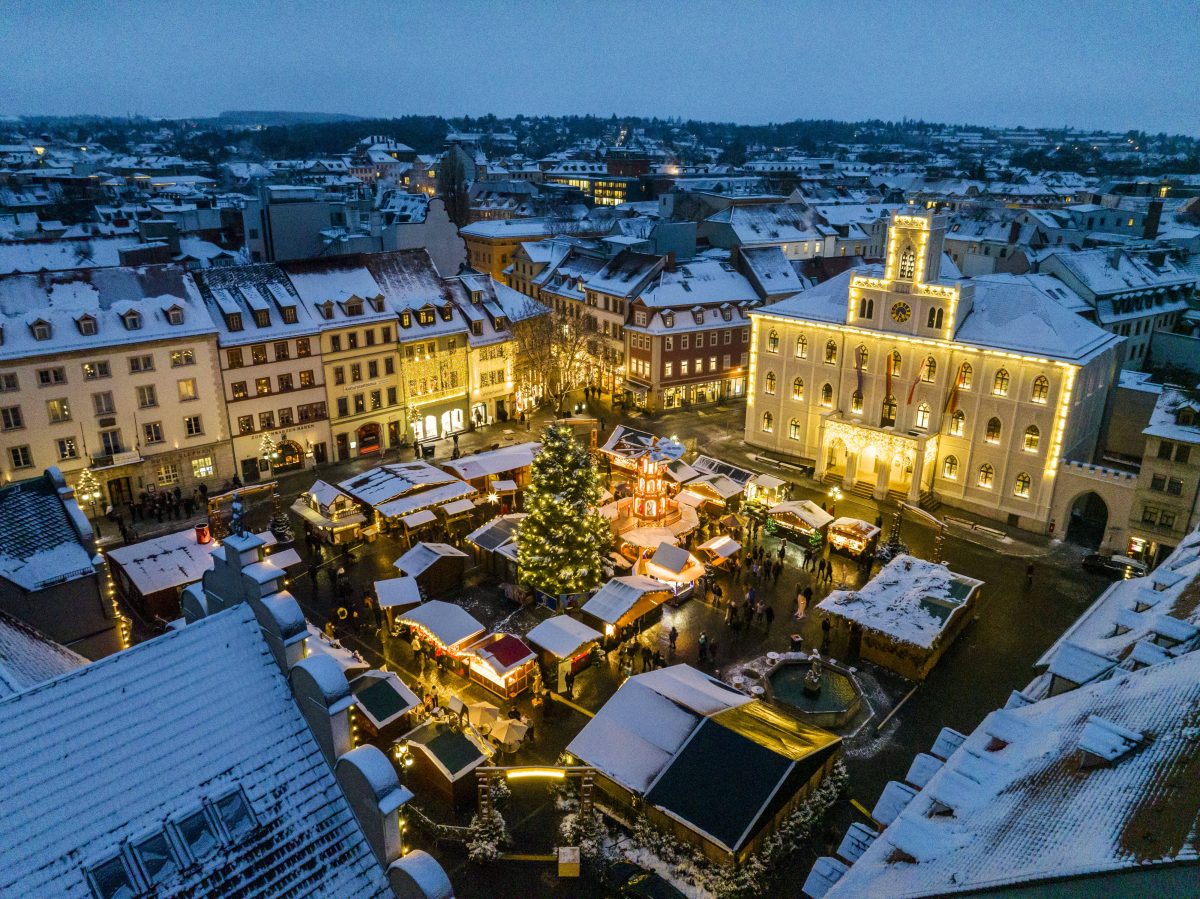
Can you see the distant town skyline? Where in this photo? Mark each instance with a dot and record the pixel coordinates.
(1095, 65)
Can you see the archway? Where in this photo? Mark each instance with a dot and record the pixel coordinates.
(289, 457)
(1088, 520)
(370, 439)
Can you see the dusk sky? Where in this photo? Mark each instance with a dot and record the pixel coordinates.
(1088, 64)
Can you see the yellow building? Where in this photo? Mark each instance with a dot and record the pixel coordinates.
(897, 380)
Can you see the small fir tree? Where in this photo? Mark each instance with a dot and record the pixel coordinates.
(563, 538)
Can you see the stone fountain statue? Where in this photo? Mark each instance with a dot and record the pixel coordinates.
(812, 680)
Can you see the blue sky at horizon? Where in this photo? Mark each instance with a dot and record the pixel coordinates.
(1100, 64)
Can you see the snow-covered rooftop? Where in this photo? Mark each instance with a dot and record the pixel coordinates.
(28, 657)
(910, 600)
(107, 754)
(40, 535)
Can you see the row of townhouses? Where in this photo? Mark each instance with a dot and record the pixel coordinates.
(158, 377)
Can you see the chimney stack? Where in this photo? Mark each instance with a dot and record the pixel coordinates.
(1153, 217)
(1014, 232)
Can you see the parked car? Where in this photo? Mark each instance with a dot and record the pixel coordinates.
(1114, 566)
(629, 880)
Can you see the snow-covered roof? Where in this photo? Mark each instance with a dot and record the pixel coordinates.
(620, 596)
(1020, 803)
(901, 600)
(805, 510)
(770, 223)
(1165, 419)
(150, 735)
(422, 556)
(452, 625)
(493, 462)
(387, 482)
(28, 657)
(44, 537)
(699, 282)
(771, 270)
(562, 635)
(397, 591)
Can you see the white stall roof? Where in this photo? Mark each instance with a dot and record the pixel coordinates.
(398, 592)
(562, 635)
(450, 624)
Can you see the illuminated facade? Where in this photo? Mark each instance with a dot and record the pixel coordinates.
(904, 383)
(650, 501)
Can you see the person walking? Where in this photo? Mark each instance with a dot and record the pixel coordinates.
(570, 678)
(769, 617)
(702, 645)
(825, 627)
(783, 549)
(647, 654)
(1029, 570)
(672, 637)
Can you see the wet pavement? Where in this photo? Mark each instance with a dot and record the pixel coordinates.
(992, 656)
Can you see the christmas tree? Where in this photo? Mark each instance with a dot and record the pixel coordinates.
(563, 538)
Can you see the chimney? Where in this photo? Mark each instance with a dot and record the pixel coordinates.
(735, 256)
(669, 261)
(1153, 217)
(1114, 257)
(1014, 232)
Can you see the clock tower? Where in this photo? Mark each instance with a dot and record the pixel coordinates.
(910, 298)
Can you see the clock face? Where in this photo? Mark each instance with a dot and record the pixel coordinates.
(901, 312)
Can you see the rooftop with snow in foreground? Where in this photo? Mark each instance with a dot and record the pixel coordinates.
(197, 728)
(1099, 782)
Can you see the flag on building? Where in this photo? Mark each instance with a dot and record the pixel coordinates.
(917, 380)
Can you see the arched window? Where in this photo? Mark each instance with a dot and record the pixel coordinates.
(895, 363)
(794, 429)
(958, 423)
(950, 468)
(860, 357)
(769, 383)
(964, 376)
(827, 395)
(1021, 485)
(801, 347)
(856, 401)
(1041, 389)
(923, 416)
(866, 308)
(888, 413)
(929, 372)
(768, 422)
(992, 434)
(1000, 384)
(908, 263)
(986, 474)
(798, 389)
(773, 341)
(935, 318)
(830, 353)
(1032, 436)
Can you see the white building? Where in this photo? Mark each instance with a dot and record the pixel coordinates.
(115, 370)
(896, 380)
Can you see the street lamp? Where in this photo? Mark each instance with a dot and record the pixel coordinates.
(835, 494)
(88, 489)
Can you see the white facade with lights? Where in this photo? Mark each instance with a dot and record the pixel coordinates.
(913, 384)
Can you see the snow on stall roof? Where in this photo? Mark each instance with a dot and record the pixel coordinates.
(493, 462)
(451, 624)
(435, 496)
(423, 556)
(620, 595)
(28, 657)
(1035, 813)
(693, 689)
(216, 678)
(397, 591)
(894, 601)
(634, 735)
(562, 635)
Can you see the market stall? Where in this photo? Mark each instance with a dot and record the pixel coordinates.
(495, 545)
(396, 595)
(719, 550)
(853, 537)
(565, 646)
(767, 490)
(625, 604)
(382, 704)
(443, 626)
(329, 513)
(444, 760)
(502, 663)
(438, 567)
(801, 517)
(675, 567)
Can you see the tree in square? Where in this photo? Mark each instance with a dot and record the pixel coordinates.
(562, 540)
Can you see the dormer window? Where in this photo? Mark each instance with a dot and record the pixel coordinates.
(727, 314)
(698, 317)
(405, 319)
(354, 307)
(133, 321)
(233, 321)
(327, 310)
(87, 325)
(669, 319)
(477, 328)
(501, 323)
(41, 330)
(447, 312)
(289, 315)
(476, 296)
(425, 316)
(175, 315)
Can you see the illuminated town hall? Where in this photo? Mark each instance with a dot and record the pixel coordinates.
(911, 381)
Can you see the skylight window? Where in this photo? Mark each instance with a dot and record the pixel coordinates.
(110, 880)
(198, 834)
(157, 857)
(234, 812)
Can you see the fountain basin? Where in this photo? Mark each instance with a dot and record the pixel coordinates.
(836, 703)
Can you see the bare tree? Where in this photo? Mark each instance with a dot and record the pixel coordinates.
(551, 349)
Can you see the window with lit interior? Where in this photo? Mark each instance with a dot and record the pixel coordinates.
(768, 422)
(798, 389)
(1041, 390)
(992, 434)
(827, 395)
(1021, 485)
(1000, 383)
(773, 342)
(950, 468)
(1032, 437)
(986, 474)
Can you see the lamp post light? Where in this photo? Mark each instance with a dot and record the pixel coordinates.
(88, 488)
(835, 494)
